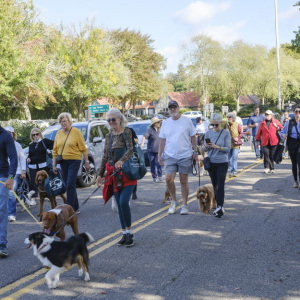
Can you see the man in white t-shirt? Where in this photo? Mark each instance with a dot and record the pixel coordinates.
(178, 142)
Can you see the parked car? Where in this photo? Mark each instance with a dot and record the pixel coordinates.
(140, 128)
(132, 118)
(41, 123)
(160, 116)
(203, 118)
(94, 132)
(164, 113)
(192, 114)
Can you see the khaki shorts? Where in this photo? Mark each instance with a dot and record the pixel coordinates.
(182, 166)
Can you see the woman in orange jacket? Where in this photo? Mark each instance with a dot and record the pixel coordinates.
(267, 132)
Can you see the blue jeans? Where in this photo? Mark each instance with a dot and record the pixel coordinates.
(257, 150)
(12, 200)
(122, 199)
(233, 159)
(70, 169)
(153, 160)
(4, 193)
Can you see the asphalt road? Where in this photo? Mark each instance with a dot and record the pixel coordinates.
(252, 252)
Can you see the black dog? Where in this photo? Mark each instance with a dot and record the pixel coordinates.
(60, 255)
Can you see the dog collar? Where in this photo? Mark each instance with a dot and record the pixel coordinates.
(42, 247)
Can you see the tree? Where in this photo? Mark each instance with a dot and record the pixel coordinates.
(203, 59)
(93, 69)
(144, 64)
(242, 63)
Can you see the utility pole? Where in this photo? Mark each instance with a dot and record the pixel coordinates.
(277, 54)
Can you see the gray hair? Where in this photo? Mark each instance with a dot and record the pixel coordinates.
(65, 115)
(118, 114)
(216, 117)
(232, 115)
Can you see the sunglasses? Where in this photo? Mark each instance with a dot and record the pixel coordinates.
(297, 111)
(34, 134)
(215, 125)
(111, 120)
(172, 107)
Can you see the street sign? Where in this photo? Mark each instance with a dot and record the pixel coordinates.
(211, 107)
(224, 109)
(95, 109)
(207, 107)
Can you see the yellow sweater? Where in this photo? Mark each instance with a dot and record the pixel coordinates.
(74, 147)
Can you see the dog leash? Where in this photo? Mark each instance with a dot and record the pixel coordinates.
(85, 201)
(24, 206)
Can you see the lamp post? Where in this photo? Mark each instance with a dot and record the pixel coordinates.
(277, 54)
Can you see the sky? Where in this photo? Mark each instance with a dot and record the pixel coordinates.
(170, 23)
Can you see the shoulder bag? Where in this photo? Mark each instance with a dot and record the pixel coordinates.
(206, 160)
(49, 157)
(59, 158)
(236, 141)
(134, 168)
(54, 184)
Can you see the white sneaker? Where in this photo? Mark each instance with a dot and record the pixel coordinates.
(11, 219)
(266, 171)
(184, 210)
(172, 208)
(114, 205)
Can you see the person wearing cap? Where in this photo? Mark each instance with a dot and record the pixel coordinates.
(20, 174)
(152, 134)
(254, 123)
(7, 174)
(178, 142)
(267, 133)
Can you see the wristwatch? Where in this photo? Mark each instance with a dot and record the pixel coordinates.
(87, 161)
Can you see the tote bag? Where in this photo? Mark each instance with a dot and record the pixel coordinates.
(55, 185)
(134, 168)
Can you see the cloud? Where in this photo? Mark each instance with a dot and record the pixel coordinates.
(198, 12)
(225, 34)
(291, 13)
(172, 54)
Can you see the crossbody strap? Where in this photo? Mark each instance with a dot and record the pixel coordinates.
(45, 147)
(216, 141)
(65, 142)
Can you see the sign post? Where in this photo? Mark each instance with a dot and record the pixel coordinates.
(224, 109)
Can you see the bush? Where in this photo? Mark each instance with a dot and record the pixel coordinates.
(183, 110)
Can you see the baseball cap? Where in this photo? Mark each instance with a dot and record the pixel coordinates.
(9, 128)
(173, 103)
(268, 112)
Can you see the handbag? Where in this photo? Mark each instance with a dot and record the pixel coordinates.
(206, 160)
(59, 158)
(54, 184)
(134, 168)
(49, 157)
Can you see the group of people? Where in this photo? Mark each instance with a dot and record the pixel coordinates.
(173, 144)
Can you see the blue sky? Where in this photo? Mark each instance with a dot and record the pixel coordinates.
(172, 22)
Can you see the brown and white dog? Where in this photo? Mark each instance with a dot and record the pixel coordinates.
(59, 216)
(167, 196)
(40, 180)
(206, 197)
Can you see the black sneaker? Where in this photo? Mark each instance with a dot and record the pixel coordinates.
(134, 196)
(122, 241)
(3, 251)
(129, 240)
(219, 212)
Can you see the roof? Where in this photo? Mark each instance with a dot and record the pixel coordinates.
(249, 99)
(185, 99)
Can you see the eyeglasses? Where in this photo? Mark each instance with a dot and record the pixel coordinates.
(111, 120)
(297, 111)
(34, 134)
(215, 125)
(65, 121)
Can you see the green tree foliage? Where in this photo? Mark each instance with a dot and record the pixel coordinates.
(144, 63)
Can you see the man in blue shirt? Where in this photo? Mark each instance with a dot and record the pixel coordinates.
(7, 174)
(254, 123)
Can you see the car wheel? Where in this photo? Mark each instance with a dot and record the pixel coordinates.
(87, 178)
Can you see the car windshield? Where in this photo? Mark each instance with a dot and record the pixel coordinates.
(245, 121)
(140, 129)
(50, 132)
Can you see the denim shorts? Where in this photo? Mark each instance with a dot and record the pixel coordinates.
(174, 165)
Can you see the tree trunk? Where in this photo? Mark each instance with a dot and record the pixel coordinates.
(26, 109)
(237, 105)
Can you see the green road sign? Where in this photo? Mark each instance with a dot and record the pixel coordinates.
(98, 108)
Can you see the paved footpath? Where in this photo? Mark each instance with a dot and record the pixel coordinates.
(252, 252)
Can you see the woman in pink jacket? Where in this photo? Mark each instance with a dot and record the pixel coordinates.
(267, 131)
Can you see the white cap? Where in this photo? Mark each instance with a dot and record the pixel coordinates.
(269, 112)
(9, 128)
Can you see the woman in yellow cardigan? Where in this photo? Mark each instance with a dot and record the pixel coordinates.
(70, 144)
